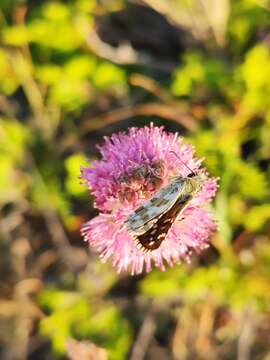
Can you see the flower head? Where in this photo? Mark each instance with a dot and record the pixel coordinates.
(133, 167)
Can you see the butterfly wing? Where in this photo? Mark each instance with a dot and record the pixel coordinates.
(150, 223)
(152, 237)
(162, 201)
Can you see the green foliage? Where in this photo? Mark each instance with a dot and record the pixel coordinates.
(57, 84)
(251, 182)
(67, 309)
(58, 30)
(232, 282)
(54, 28)
(8, 81)
(198, 71)
(247, 18)
(107, 329)
(257, 217)
(13, 140)
(257, 83)
(108, 75)
(73, 164)
(70, 315)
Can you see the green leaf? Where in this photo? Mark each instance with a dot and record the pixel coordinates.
(16, 35)
(257, 82)
(256, 217)
(250, 181)
(8, 79)
(72, 165)
(109, 75)
(67, 308)
(196, 71)
(71, 316)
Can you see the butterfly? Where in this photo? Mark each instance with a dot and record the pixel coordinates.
(150, 223)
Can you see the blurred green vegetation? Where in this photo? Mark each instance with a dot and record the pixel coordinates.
(74, 71)
(71, 315)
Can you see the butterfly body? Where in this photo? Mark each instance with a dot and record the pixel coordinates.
(150, 223)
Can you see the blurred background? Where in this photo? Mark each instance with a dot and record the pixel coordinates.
(72, 72)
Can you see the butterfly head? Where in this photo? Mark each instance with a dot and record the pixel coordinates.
(195, 181)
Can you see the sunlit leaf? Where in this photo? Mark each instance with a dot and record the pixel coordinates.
(257, 217)
(8, 79)
(109, 75)
(73, 164)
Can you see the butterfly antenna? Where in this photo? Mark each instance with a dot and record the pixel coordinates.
(173, 152)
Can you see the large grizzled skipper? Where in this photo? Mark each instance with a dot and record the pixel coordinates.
(150, 223)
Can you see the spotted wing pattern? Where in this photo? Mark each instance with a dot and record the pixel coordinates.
(152, 238)
(146, 215)
(150, 223)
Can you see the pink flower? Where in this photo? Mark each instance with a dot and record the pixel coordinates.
(133, 167)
